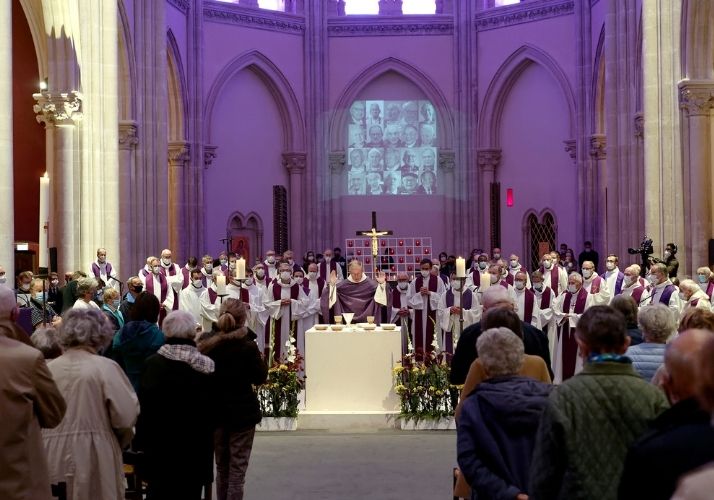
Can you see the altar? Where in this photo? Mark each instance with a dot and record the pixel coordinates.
(348, 378)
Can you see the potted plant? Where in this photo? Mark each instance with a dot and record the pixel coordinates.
(279, 396)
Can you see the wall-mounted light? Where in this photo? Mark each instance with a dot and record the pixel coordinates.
(509, 197)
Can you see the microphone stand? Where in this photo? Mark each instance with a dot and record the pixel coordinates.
(121, 285)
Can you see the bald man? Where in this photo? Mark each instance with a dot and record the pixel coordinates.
(681, 438)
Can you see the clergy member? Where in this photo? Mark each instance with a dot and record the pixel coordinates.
(190, 297)
(632, 285)
(269, 264)
(191, 264)
(101, 269)
(545, 298)
(526, 304)
(496, 278)
(568, 309)
(555, 275)
(595, 285)
(308, 315)
(664, 291)
(329, 265)
(210, 302)
(449, 312)
(613, 276)
(704, 278)
(207, 270)
(401, 313)
(357, 294)
(157, 285)
(424, 294)
(479, 278)
(289, 256)
(173, 275)
(314, 285)
(515, 267)
(284, 300)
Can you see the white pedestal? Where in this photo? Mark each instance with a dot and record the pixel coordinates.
(351, 371)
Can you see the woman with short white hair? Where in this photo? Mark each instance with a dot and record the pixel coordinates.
(657, 324)
(85, 450)
(86, 291)
(693, 296)
(175, 381)
(497, 428)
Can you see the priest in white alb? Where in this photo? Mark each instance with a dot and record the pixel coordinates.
(632, 285)
(156, 284)
(328, 266)
(449, 312)
(526, 304)
(313, 286)
(173, 274)
(613, 276)
(102, 269)
(190, 297)
(424, 295)
(401, 312)
(285, 301)
(545, 298)
(569, 307)
(210, 302)
(357, 294)
(554, 275)
(595, 285)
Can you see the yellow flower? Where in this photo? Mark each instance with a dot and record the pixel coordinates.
(432, 388)
(415, 370)
(400, 389)
(439, 393)
(398, 369)
(284, 367)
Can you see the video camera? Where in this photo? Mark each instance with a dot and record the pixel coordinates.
(644, 251)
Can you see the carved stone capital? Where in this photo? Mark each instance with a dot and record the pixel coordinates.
(696, 97)
(58, 108)
(598, 145)
(447, 160)
(209, 154)
(179, 153)
(337, 162)
(295, 162)
(488, 159)
(128, 137)
(571, 147)
(639, 125)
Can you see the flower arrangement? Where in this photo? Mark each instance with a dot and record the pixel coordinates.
(422, 383)
(278, 396)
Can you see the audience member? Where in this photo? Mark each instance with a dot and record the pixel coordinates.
(42, 312)
(681, 438)
(496, 433)
(134, 287)
(628, 307)
(69, 291)
(592, 418)
(46, 340)
(695, 318)
(23, 293)
(86, 293)
(29, 400)
(9, 313)
(110, 307)
(174, 391)
(657, 324)
(238, 367)
(85, 450)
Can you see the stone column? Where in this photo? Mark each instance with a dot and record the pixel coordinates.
(7, 208)
(128, 140)
(390, 7)
(337, 166)
(193, 180)
(598, 215)
(488, 161)
(179, 157)
(447, 162)
(60, 111)
(295, 163)
(697, 100)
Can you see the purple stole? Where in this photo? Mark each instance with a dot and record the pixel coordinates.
(212, 295)
(504, 284)
(569, 352)
(554, 279)
(528, 305)
(595, 286)
(277, 347)
(710, 289)
(172, 272)
(397, 304)
(96, 270)
(637, 294)
(546, 297)
(666, 294)
(323, 273)
(618, 283)
(144, 273)
(476, 277)
(694, 303)
(430, 313)
(224, 270)
(467, 299)
(320, 286)
(186, 277)
(512, 276)
(164, 292)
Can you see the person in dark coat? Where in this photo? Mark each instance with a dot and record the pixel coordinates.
(498, 424)
(175, 427)
(239, 366)
(679, 440)
(496, 297)
(628, 307)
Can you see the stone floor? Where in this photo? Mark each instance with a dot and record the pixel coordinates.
(380, 465)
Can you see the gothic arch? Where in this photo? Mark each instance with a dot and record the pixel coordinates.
(504, 80)
(277, 84)
(598, 87)
(697, 40)
(127, 67)
(639, 84)
(177, 101)
(35, 19)
(340, 115)
(249, 226)
(531, 218)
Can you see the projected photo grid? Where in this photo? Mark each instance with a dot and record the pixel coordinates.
(392, 148)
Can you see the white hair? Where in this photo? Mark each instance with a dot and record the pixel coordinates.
(8, 302)
(656, 322)
(46, 340)
(496, 294)
(86, 284)
(688, 285)
(85, 327)
(180, 325)
(354, 262)
(501, 352)
(576, 276)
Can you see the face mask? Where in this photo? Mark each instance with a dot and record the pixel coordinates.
(610, 266)
(271, 259)
(248, 281)
(285, 276)
(652, 279)
(155, 269)
(587, 273)
(667, 254)
(138, 288)
(456, 285)
(494, 279)
(299, 280)
(260, 274)
(130, 298)
(25, 287)
(682, 297)
(403, 285)
(166, 262)
(328, 258)
(629, 280)
(291, 262)
(520, 285)
(98, 295)
(3, 279)
(538, 286)
(224, 262)
(197, 283)
(208, 268)
(233, 265)
(514, 263)
(424, 274)
(101, 259)
(54, 282)
(482, 265)
(116, 303)
(496, 256)
(40, 297)
(547, 263)
(571, 288)
(702, 278)
(312, 276)
(311, 259)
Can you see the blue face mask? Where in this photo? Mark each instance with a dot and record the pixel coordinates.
(116, 303)
(130, 298)
(40, 297)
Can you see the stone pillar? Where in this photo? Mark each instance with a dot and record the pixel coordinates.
(599, 205)
(697, 100)
(179, 157)
(390, 7)
(128, 140)
(60, 111)
(488, 161)
(7, 208)
(337, 165)
(335, 8)
(447, 162)
(295, 163)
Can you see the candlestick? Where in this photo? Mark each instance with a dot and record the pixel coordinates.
(460, 267)
(240, 269)
(220, 285)
(44, 217)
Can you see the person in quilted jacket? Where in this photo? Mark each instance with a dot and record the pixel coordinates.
(657, 324)
(591, 419)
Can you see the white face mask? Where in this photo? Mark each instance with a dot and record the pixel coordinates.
(248, 281)
(208, 268)
(537, 286)
(482, 265)
(285, 276)
(299, 280)
(54, 282)
(652, 279)
(156, 269)
(514, 263)
(224, 262)
(587, 273)
(197, 283)
(232, 265)
(547, 263)
(610, 266)
(328, 258)
(260, 274)
(424, 274)
(25, 287)
(3, 279)
(494, 279)
(667, 254)
(312, 276)
(403, 285)
(166, 262)
(571, 288)
(456, 285)
(520, 285)
(629, 280)
(682, 297)
(496, 256)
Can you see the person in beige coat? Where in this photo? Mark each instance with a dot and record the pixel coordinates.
(85, 449)
(29, 400)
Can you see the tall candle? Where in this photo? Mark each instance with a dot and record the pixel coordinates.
(221, 285)
(240, 269)
(460, 267)
(44, 218)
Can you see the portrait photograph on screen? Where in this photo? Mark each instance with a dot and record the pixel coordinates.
(392, 148)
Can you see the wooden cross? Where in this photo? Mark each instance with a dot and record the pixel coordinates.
(374, 233)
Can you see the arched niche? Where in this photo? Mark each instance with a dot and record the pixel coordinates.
(245, 232)
(177, 96)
